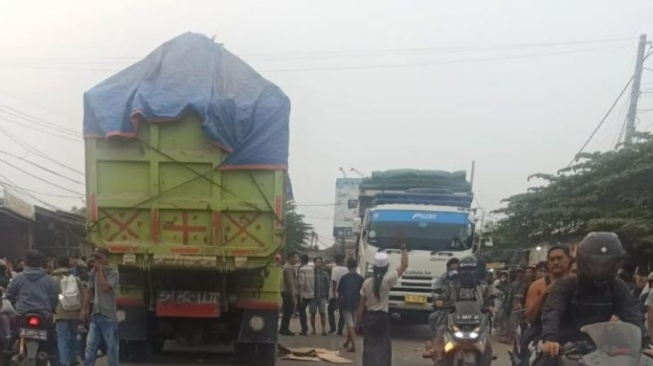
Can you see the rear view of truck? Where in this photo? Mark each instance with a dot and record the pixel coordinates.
(186, 165)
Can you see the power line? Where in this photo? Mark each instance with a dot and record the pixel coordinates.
(429, 63)
(39, 121)
(359, 67)
(605, 117)
(39, 178)
(49, 133)
(42, 168)
(286, 56)
(21, 191)
(36, 151)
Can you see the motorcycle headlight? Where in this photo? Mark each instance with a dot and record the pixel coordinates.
(473, 335)
(459, 335)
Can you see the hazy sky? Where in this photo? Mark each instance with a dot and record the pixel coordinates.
(374, 84)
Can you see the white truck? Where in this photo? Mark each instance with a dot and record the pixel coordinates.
(434, 219)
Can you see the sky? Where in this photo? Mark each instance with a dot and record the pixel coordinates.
(515, 86)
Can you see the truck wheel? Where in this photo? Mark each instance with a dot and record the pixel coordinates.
(256, 354)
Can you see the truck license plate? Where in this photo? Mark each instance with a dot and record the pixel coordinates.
(412, 299)
(37, 334)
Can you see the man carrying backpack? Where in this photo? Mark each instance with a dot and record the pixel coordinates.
(67, 314)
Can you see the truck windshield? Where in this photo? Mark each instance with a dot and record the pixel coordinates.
(421, 230)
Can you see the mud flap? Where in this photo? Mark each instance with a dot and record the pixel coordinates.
(259, 326)
(31, 349)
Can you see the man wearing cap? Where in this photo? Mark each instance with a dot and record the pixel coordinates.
(373, 309)
(103, 287)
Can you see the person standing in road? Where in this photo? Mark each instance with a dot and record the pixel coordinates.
(336, 274)
(373, 309)
(348, 292)
(103, 287)
(288, 296)
(321, 295)
(68, 312)
(306, 286)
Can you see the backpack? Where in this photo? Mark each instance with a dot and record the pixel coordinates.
(70, 297)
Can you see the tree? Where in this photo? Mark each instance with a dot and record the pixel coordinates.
(297, 231)
(608, 191)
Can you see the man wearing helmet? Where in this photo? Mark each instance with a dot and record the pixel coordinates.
(593, 296)
(465, 287)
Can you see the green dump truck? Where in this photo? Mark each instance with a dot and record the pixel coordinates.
(186, 171)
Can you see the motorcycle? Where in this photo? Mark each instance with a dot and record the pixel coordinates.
(612, 343)
(517, 352)
(32, 334)
(467, 336)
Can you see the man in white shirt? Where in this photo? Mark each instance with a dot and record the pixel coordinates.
(336, 274)
(306, 290)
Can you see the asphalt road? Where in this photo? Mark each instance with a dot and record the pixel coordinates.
(407, 343)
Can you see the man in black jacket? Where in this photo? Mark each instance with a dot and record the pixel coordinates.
(591, 297)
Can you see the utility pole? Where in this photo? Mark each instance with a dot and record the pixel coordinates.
(635, 91)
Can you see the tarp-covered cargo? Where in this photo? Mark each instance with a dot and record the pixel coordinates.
(438, 181)
(241, 112)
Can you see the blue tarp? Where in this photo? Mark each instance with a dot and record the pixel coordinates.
(241, 111)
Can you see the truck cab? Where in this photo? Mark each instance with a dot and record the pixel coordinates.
(433, 234)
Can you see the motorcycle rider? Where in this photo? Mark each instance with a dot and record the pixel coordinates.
(593, 296)
(34, 291)
(436, 315)
(466, 286)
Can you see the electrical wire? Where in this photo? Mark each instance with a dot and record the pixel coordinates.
(22, 192)
(36, 151)
(39, 178)
(358, 67)
(322, 54)
(42, 168)
(605, 117)
(429, 63)
(39, 121)
(49, 133)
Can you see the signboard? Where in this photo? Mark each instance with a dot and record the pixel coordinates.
(346, 208)
(18, 206)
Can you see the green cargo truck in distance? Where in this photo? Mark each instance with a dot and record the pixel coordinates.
(186, 156)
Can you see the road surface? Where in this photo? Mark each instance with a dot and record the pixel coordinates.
(407, 345)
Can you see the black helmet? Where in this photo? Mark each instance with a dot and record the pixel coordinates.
(467, 269)
(468, 264)
(599, 256)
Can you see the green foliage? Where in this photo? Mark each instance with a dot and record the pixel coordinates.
(297, 231)
(609, 191)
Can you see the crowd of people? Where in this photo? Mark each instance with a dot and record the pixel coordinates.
(315, 289)
(76, 298)
(550, 301)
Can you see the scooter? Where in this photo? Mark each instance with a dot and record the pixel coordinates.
(32, 334)
(467, 336)
(612, 343)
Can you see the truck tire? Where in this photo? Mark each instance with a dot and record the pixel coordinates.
(256, 354)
